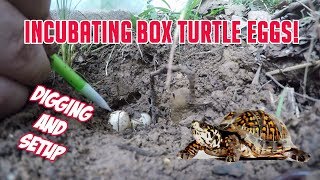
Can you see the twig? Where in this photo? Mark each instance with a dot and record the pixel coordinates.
(312, 43)
(292, 105)
(85, 17)
(306, 70)
(305, 6)
(292, 68)
(99, 48)
(109, 59)
(171, 57)
(198, 9)
(97, 83)
(296, 6)
(140, 52)
(174, 45)
(155, 62)
(298, 94)
(305, 80)
(255, 80)
(179, 53)
(153, 98)
(264, 85)
(272, 102)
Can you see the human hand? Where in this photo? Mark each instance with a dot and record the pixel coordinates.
(21, 65)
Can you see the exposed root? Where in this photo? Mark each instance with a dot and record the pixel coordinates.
(98, 49)
(140, 51)
(109, 59)
(292, 68)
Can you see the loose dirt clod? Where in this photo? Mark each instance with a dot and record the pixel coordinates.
(153, 96)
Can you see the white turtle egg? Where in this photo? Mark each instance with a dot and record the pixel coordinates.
(119, 120)
(143, 120)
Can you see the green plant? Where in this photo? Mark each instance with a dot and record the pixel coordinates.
(159, 13)
(64, 10)
(243, 2)
(216, 11)
(270, 5)
(153, 12)
(281, 101)
(192, 9)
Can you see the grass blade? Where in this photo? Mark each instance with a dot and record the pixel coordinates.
(281, 101)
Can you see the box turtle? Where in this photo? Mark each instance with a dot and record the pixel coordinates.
(244, 134)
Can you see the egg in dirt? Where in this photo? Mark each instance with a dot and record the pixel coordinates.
(119, 120)
(144, 120)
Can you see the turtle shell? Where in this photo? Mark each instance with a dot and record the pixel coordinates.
(262, 132)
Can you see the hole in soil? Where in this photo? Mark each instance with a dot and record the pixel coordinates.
(149, 100)
(149, 58)
(133, 97)
(203, 75)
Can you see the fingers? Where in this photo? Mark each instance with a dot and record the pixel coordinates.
(13, 96)
(33, 9)
(26, 64)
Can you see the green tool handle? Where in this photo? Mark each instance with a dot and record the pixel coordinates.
(67, 73)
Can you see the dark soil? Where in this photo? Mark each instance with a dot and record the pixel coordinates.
(95, 151)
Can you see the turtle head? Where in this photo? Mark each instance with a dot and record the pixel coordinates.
(206, 134)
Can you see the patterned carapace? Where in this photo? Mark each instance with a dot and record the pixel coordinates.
(248, 133)
(258, 123)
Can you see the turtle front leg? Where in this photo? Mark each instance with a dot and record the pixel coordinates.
(233, 156)
(190, 151)
(233, 151)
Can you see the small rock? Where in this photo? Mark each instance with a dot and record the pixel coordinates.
(166, 162)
